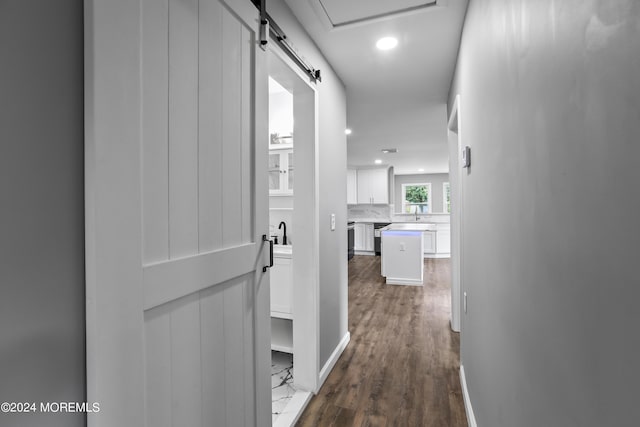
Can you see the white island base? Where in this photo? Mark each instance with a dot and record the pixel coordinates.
(402, 254)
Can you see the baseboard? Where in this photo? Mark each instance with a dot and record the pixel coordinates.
(324, 373)
(437, 256)
(401, 281)
(368, 253)
(471, 418)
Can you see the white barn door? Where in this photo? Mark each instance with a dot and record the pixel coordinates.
(176, 155)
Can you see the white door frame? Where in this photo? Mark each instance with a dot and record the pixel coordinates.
(306, 247)
(455, 178)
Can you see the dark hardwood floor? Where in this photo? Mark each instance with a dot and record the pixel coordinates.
(401, 367)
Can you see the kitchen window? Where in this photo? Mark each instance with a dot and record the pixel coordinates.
(416, 198)
(446, 197)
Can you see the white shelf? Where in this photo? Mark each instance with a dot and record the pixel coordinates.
(280, 315)
(282, 335)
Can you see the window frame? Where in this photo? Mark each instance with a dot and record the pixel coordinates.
(404, 196)
(446, 208)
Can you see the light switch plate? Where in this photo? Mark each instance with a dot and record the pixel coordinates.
(466, 157)
(333, 222)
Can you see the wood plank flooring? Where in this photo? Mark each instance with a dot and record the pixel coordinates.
(401, 367)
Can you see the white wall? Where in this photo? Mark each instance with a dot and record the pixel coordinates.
(281, 113)
(550, 105)
(332, 176)
(436, 180)
(42, 329)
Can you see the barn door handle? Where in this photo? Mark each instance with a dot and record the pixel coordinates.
(264, 239)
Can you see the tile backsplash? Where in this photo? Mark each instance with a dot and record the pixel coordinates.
(370, 211)
(277, 215)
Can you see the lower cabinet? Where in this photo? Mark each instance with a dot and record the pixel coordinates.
(282, 304)
(363, 237)
(429, 240)
(443, 239)
(281, 287)
(437, 243)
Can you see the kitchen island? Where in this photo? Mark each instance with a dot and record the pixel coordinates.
(402, 253)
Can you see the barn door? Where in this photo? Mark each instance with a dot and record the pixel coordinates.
(176, 154)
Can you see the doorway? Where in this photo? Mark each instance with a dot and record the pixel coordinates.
(293, 227)
(455, 177)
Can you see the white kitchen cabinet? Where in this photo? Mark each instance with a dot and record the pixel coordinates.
(282, 304)
(281, 172)
(443, 239)
(369, 240)
(429, 239)
(359, 232)
(281, 288)
(402, 260)
(363, 237)
(373, 186)
(352, 187)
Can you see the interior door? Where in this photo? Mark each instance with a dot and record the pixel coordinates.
(177, 301)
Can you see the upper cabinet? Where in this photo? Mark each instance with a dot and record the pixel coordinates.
(281, 172)
(373, 186)
(352, 187)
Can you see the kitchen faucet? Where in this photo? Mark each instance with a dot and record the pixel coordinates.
(284, 235)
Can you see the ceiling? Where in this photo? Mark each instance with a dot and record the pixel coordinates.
(395, 98)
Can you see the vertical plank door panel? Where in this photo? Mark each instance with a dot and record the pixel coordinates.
(158, 367)
(186, 368)
(234, 350)
(183, 127)
(213, 356)
(247, 130)
(231, 134)
(155, 137)
(210, 126)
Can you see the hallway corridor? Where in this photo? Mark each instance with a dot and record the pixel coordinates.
(401, 367)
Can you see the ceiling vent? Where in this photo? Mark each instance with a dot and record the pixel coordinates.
(389, 150)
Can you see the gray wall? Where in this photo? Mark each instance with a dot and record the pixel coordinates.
(332, 176)
(436, 180)
(42, 356)
(550, 105)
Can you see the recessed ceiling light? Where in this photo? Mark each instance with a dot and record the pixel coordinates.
(420, 170)
(378, 161)
(347, 131)
(387, 43)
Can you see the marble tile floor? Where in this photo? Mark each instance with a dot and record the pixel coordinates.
(282, 390)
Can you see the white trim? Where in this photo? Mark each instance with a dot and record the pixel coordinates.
(454, 136)
(400, 281)
(471, 418)
(292, 412)
(306, 258)
(437, 255)
(367, 253)
(333, 359)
